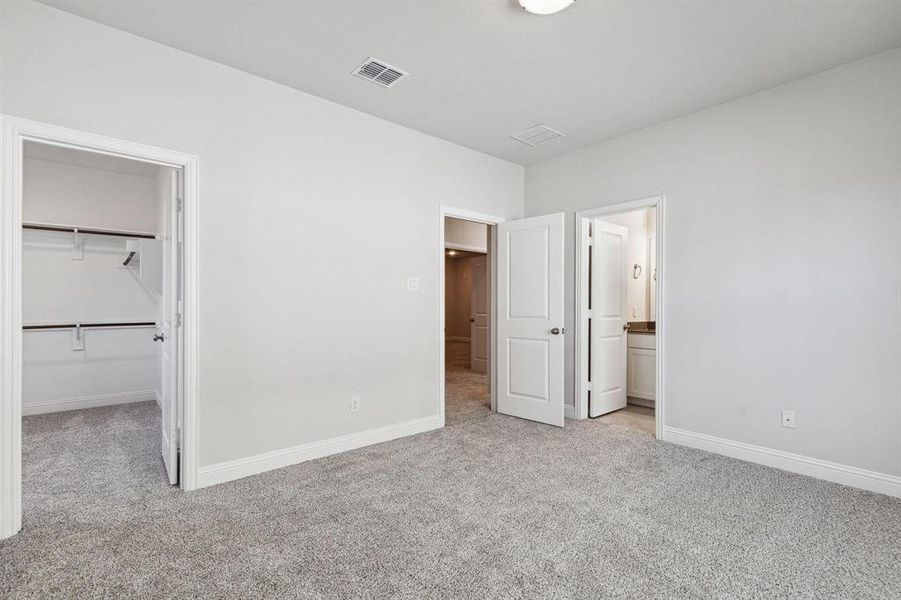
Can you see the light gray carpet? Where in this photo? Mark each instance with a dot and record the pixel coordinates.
(490, 506)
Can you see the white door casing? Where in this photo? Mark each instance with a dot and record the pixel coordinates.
(479, 316)
(530, 318)
(169, 331)
(609, 244)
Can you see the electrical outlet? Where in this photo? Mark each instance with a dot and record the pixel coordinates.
(354, 403)
(788, 419)
(412, 284)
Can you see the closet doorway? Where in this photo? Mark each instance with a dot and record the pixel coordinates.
(99, 341)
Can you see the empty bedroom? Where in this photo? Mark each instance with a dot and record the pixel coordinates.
(450, 299)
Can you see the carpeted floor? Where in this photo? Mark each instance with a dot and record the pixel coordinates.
(490, 506)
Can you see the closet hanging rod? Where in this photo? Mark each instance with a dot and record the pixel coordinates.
(88, 325)
(89, 230)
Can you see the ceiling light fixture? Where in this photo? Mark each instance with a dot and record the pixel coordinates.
(545, 7)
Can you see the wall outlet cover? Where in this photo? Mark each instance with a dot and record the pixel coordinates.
(412, 284)
(788, 419)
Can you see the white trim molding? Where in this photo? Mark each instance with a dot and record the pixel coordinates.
(465, 247)
(795, 463)
(14, 132)
(51, 406)
(268, 461)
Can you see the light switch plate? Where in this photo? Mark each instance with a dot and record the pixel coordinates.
(412, 284)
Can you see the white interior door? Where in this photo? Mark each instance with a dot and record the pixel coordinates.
(530, 318)
(652, 281)
(608, 318)
(478, 320)
(168, 334)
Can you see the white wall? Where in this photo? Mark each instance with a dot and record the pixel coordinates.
(115, 365)
(782, 258)
(465, 235)
(297, 298)
(63, 194)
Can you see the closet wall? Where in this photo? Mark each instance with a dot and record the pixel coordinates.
(116, 365)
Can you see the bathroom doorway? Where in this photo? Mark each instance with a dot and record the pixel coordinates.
(619, 315)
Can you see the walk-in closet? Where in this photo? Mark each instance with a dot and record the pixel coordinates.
(99, 295)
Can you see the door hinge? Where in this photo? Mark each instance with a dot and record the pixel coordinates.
(178, 204)
(178, 319)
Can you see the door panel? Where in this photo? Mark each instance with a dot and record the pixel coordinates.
(528, 273)
(169, 330)
(480, 307)
(530, 301)
(608, 310)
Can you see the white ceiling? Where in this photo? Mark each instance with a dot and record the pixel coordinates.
(483, 70)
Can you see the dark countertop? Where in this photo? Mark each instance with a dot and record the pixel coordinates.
(643, 327)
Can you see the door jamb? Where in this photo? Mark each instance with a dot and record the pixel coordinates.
(14, 132)
(581, 308)
(490, 220)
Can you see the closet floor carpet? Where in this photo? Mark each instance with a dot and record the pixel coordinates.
(490, 506)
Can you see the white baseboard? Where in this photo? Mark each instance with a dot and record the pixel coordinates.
(260, 463)
(456, 338)
(51, 406)
(796, 463)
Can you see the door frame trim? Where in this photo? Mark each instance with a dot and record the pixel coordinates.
(14, 132)
(580, 394)
(491, 220)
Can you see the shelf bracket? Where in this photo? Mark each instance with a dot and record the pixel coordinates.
(77, 245)
(77, 337)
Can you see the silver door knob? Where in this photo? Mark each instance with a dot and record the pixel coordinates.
(159, 337)
(555, 331)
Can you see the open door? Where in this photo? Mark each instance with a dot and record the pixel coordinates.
(480, 307)
(609, 244)
(530, 319)
(168, 334)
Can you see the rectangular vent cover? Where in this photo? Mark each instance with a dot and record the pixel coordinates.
(538, 134)
(379, 72)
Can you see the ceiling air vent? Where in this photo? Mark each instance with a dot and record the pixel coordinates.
(379, 72)
(536, 135)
